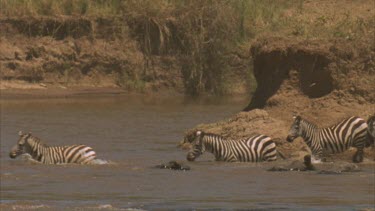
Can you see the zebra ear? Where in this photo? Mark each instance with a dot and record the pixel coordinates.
(297, 118)
(198, 133)
(20, 133)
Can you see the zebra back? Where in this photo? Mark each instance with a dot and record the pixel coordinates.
(350, 132)
(253, 149)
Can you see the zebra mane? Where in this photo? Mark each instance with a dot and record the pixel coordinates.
(213, 134)
(341, 120)
(37, 140)
(309, 122)
(329, 126)
(217, 136)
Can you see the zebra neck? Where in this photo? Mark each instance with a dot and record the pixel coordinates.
(207, 143)
(216, 145)
(310, 133)
(37, 150)
(310, 139)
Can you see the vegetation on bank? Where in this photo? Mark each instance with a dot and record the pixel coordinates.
(211, 39)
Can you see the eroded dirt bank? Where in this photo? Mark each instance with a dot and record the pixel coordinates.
(69, 52)
(320, 80)
(132, 54)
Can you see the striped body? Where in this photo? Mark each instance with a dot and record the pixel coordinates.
(351, 132)
(29, 144)
(254, 149)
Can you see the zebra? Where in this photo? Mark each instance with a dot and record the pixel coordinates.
(29, 144)
(256, 148)
(350, 132)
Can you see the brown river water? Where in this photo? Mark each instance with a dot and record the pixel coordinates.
(137, 133)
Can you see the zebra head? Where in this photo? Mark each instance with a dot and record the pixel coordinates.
(198, 146)
(295, 129)
(21, 147)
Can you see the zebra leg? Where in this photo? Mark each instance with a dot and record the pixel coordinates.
(317, 159)
(358, 156)
(370, 141)
(318, 156)
(232, 158)
(97, 161)
(323, 157)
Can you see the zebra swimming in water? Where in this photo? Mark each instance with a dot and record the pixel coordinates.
(253, 149)
(351, 132)
(29, 144)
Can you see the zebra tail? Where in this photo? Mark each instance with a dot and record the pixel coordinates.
(370, 131)
(370, 140)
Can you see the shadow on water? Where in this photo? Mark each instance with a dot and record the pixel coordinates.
(138, 133)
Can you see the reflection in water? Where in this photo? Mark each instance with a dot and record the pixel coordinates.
(138, 133)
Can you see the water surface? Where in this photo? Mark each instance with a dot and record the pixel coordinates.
(138, 133)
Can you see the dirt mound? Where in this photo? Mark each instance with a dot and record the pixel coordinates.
(313, 69)
(323, 81)
(244, 124)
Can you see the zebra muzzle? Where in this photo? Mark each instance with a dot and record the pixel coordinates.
(14, 152)
(190, 156)
(13, 155)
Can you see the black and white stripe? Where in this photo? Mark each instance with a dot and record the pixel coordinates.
(351, 132)
(253, 149)
(28, 144)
